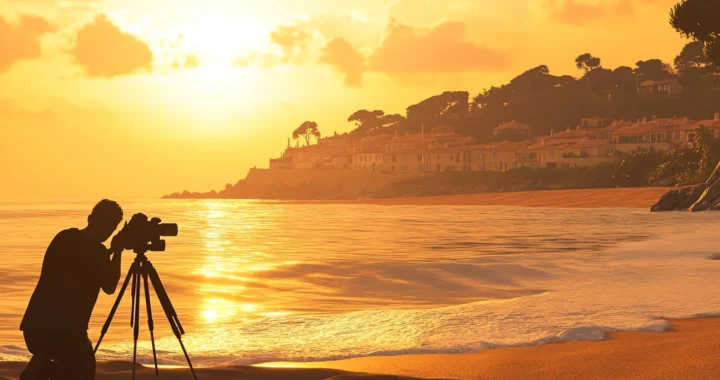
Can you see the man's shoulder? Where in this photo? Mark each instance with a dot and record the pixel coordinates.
(68, 234)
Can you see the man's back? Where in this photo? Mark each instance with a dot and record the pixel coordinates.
(72, 273)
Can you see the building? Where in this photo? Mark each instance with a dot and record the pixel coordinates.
(594, 123)
(595, 140)
(656, 134)
(513, 128)
(669, 86)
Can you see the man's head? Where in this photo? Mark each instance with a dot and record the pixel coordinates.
(104, 220)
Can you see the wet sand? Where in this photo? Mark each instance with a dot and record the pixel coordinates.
(123, 371)
(586, 198)
(688, 351)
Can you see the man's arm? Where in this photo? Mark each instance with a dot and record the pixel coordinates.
(117, 245)
(110, 282)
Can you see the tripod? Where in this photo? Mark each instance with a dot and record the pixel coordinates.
(141, 269)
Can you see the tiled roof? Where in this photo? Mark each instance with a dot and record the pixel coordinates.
(513, 126)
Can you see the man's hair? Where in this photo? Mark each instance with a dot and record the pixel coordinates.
(108, 210)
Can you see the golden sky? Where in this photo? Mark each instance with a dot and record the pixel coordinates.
(134, 98)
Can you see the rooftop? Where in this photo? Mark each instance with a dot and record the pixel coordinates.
(513, 126)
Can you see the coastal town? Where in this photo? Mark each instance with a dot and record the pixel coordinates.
(594, 141)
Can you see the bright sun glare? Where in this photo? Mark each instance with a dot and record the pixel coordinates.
(219, 40)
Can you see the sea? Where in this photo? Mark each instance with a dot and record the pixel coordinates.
(258, 281)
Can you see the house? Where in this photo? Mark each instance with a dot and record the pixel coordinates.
(367, 161)
(337, 140)
(593, 123)
(658, 134)
(475, 158)
(505, 156)
(712, 124)
(513, 128)
(441, 159)
(669, 86)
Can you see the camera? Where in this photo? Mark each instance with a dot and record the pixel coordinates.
(142, 235)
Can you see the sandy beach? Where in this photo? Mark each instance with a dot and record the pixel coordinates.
(688, 351)
(584, 198)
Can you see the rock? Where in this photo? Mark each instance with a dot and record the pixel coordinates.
(715, 177)
(667, 202)
(680, 199)
(708, 198)
(702, 197)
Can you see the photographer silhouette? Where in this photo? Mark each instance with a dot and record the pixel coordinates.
(76, 266)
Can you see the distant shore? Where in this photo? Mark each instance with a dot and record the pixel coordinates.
(583, 198)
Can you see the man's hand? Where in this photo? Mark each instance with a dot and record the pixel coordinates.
(118, 242)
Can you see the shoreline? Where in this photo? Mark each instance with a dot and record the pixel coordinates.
(640, 197)
(688, 349)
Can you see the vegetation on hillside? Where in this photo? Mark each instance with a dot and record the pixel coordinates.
(548, 102)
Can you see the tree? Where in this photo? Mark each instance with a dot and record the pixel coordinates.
(623, 79)
(702, 145)
(363, 116)
(587, 62)
(652, 69)
(448, 107)
(699, 20)
(307, 130)
(692, 56)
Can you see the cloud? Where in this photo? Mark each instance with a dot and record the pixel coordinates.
(343, 56)
(440, 49)
(291, 39)
(21, 40)
(579, 13)
(104, 50)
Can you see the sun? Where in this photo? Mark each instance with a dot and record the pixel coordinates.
(219, 40)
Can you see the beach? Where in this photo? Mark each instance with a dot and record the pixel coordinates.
(584, 198)
(687, 351)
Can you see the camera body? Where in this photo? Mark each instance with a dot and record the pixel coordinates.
(142, 235)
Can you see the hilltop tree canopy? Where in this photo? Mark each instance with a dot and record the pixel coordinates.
(699, 20)
(307, 130)
(587, 62)
(692, 56)
(550, 102)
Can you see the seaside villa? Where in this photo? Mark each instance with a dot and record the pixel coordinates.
(595, 141)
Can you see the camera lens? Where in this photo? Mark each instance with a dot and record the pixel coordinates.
(168, 229)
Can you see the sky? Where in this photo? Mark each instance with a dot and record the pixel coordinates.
(137, 98)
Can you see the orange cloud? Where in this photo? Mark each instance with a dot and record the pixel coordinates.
(441, 49)
(21, 40)
(342, 55)
(104, 50)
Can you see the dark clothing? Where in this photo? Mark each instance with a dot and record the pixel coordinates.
(72, 354)
(73, 271)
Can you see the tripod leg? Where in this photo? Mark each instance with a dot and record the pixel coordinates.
(132, 299)
(106, 326)
(150, 319)
(169, 311)
(136, 305)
